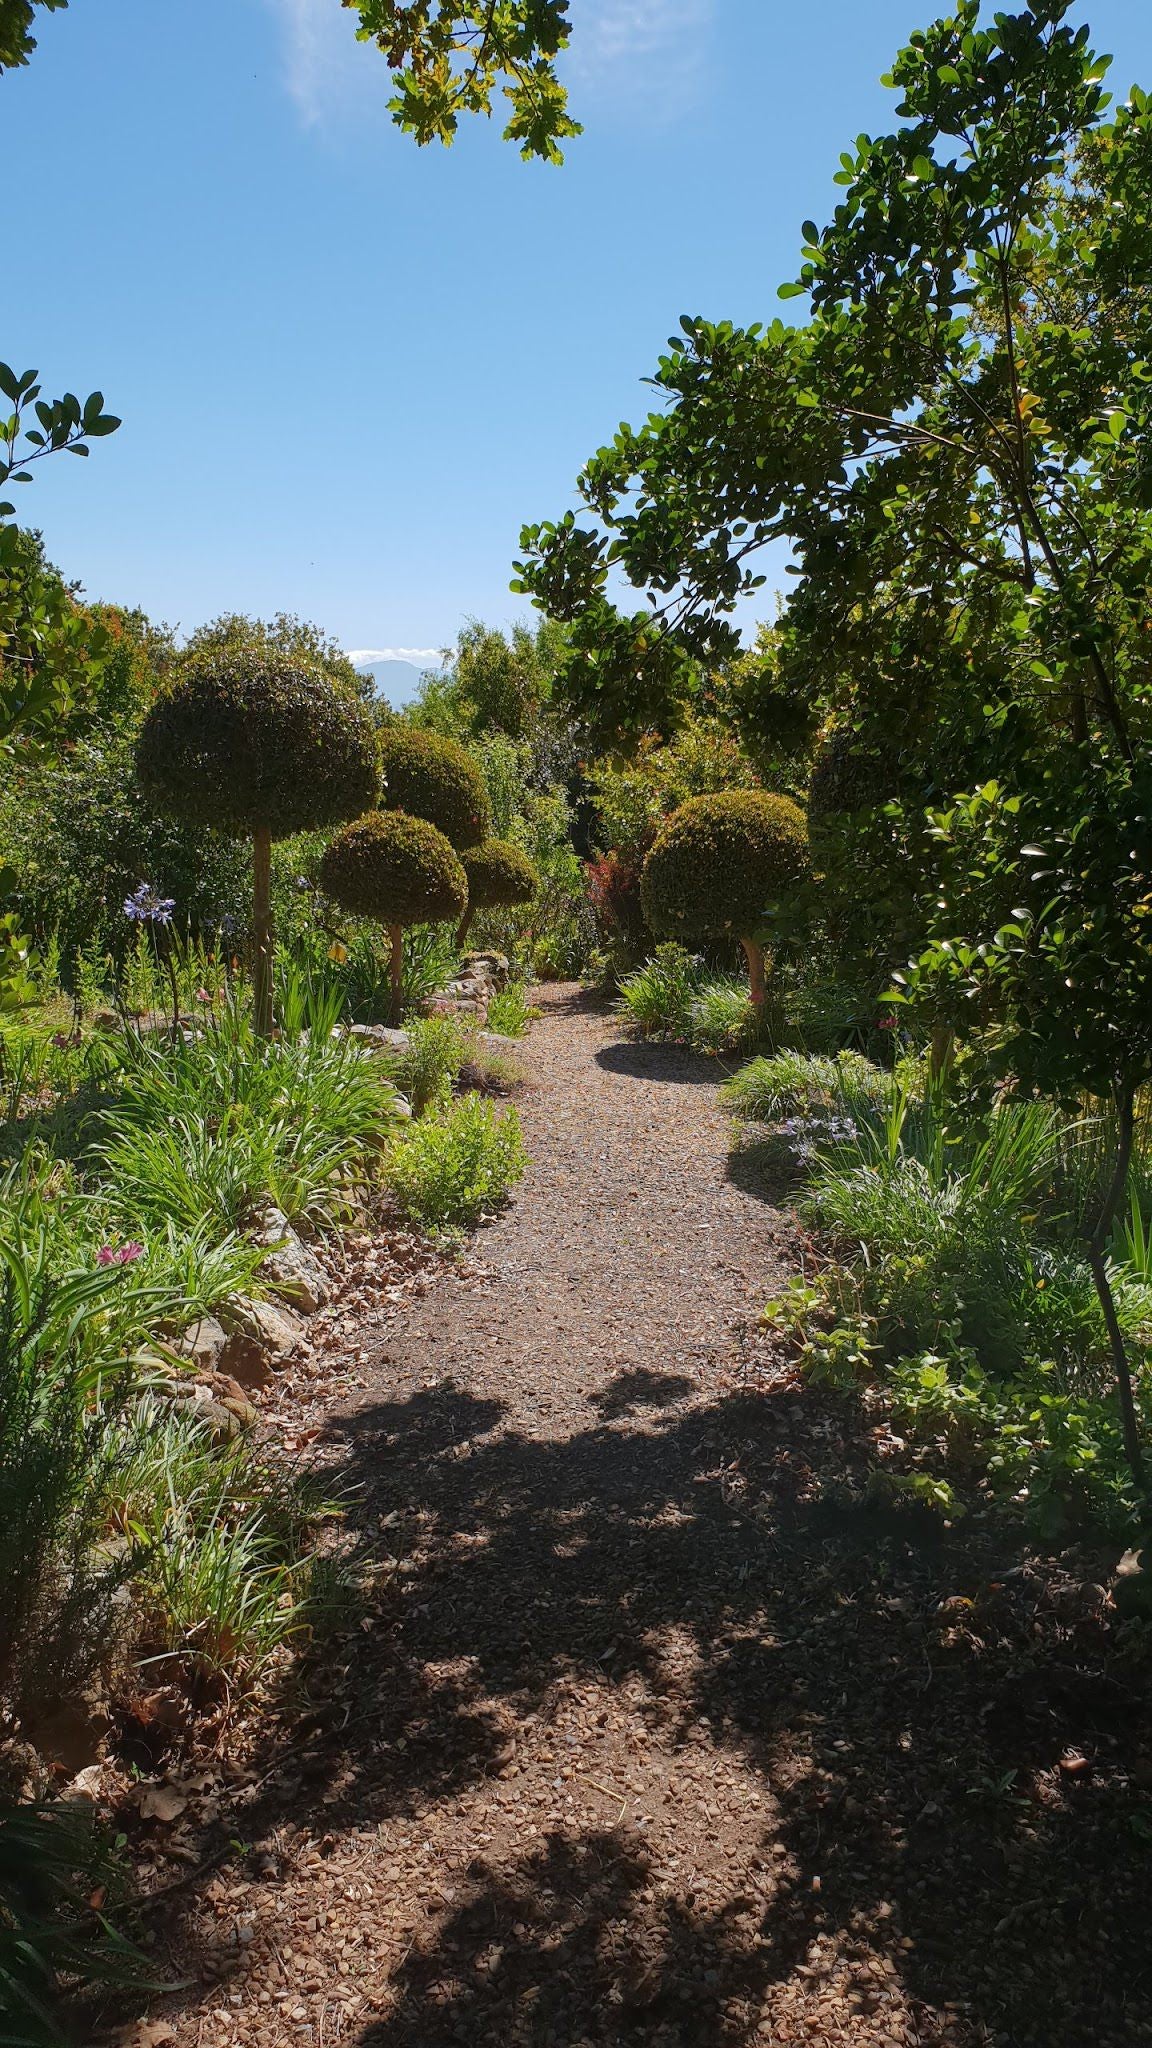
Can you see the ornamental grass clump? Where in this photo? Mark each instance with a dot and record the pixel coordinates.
(257, 741)
(399, 870)
(724, 866)
(430, 776)
(500, 876)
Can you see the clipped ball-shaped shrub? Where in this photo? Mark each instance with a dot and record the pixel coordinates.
(397, 869)
(499, 875)
(257, 740)
(721, 862)
(720, 865)
(432, 777)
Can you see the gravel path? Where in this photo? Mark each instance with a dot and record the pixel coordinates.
(662, 1732)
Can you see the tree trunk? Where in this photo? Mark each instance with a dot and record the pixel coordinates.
(262, 932)
(462, 934)
(943, 1047)
(396, 969)
(754, 954)
(1098, 1261)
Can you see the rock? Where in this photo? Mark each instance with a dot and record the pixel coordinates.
(271, 1324)
(492, 968)
(381, 1037)
(497, 1041)
(202, 1343)
(290, 1267)
(246, 1360)
(1132, 1586)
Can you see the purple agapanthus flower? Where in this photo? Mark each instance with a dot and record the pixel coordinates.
(147, 906)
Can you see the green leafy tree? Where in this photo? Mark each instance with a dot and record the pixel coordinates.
(451, 59)
(725, 867)
(398, 870)
(499, 877)
(17, 20)
(433, 777)
(257, 742)
(956, 445)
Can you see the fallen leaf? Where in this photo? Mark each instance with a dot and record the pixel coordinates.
(161, 1802)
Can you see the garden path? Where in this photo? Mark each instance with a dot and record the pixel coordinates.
(660, 1733)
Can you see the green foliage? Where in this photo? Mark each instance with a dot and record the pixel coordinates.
(252, 739)
(722, 1020)
(509, 1011)
(395, 868)
(53, 1861)
(203, 1129)
(225, 1580)
(634, 797)
(431, 776)
(495, 684)
(17, 18)
(799, 1084)
(456, 1163)
(235, 634)
(657, 999)
(432, 1060)
(723, 864)
(452, 56)
(499, 875)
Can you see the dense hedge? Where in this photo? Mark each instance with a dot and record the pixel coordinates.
(397, 869)
(254, 739)
(432, 777)
(851, 774)
(721, 862)
(499, 875)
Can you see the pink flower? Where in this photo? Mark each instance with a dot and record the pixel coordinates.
(204, 995)
(885, 1023)
(119, 1254)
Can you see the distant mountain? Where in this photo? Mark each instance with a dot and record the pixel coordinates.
(396, 681)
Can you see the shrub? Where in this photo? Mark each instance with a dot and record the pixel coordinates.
(657, 999)
(434, 1056)
(457, 1162)
(432, 777)
(202, 1129)
(500, 876)
(721, 865)
(256, 741)
(510, 1012)
(54, 1862)
(722, 1020)
(790, 1084)
(398, 870)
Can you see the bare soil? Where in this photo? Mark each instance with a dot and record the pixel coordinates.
(661, 1729)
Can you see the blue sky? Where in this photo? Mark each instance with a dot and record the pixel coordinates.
(348, 370)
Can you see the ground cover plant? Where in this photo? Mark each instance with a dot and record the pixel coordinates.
(955, 1281)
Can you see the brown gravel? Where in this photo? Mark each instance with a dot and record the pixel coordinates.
(663, 1730)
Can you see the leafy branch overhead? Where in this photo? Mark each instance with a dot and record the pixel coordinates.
(450, 60)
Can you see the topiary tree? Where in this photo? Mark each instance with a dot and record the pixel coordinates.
(499, 876)
(720, 865)
(398, 870)
(431, 776)
(255, 740)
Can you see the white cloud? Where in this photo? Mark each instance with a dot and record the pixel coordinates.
(647, 55)
(323, 62)
(361, 656)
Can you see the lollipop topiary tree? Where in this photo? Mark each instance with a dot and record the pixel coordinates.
(255, 740)
(398, 870)
(721, 866)
(499, 875)
(432, 777)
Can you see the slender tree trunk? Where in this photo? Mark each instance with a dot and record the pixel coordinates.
(262, 932)
(754, 954)
(462, 934)
(396, 969)
(943, 1047)
(1098, 1261)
